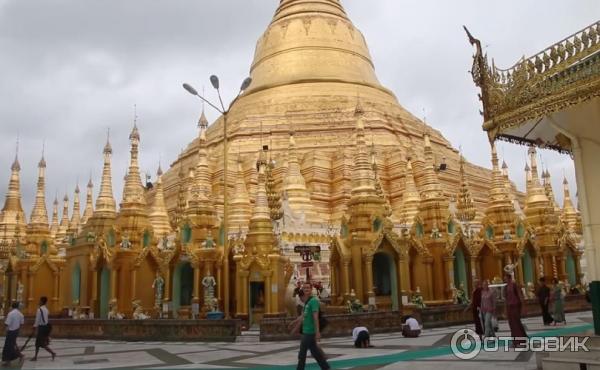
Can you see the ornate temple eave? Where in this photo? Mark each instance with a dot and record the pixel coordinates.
(518, 102)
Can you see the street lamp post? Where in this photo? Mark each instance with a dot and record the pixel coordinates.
(214, 80)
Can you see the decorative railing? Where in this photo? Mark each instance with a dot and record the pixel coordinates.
(571, 61)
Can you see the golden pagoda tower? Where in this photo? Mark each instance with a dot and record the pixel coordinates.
(105, 203)
(54, 225)
(259, 264)
(75, 223)
(465, 208)
(240, 202)
(89, 203)
(63, 227)
(12, 216)
(38, 230)
(294, 187)
(159, 218)
(411, 199)
(569, 213)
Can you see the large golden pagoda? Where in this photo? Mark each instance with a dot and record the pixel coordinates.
(392, 206)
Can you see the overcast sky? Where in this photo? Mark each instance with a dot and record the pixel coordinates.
(70, 69)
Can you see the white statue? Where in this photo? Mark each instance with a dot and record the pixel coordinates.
(158, 285)
(510, 268)
(454, 293)
(125, 243)
(114, 314)
(20, 289)
(138, 312)
(209, 283)
(530, 290)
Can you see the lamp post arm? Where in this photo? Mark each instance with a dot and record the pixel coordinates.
(209, 103)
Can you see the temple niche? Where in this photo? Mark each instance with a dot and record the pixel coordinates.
(321, 155)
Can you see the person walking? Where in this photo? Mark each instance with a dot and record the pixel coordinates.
(513, 311)
(13, 322)
(476, 307)
(42, 329)
(543, 296)
(488, 309)
(558, 300)
(311, 332)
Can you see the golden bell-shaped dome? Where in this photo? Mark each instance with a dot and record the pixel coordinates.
(311, 41)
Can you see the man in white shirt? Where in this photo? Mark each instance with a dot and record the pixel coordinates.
(13, 322)
(42, 338)
(361, 338)
(411, 327)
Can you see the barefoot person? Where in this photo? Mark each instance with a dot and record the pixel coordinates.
(476, 307)
(311, 333)
(513, 310)
(13, 322)
(488, 309)
(543, 296)
(361, 337)
(42, 338)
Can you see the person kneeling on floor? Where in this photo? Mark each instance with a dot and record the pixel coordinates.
(361, 338)
(410, 327)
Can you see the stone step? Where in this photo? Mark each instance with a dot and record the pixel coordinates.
(247, 338)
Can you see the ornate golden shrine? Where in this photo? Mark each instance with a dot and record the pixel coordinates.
(344, 170)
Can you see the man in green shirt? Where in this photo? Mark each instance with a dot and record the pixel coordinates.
(311, 333)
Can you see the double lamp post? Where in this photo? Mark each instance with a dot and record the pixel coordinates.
(214, 80)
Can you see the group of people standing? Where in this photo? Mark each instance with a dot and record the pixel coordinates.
(41, 326)
(483, 307)
(554, 296)
(484, 302)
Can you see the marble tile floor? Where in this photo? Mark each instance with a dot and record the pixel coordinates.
(391, 351)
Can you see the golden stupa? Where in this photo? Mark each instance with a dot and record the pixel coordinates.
(396, 211)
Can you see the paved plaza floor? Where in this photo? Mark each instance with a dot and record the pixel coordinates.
(391, 351)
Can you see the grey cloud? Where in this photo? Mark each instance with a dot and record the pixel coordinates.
(69, 69)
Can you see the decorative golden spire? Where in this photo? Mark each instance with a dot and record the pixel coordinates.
(260, 239)
(76, 215)
(378, 186)
(527, 177)
(159, 218)
(549, 191)
(54, 225)
(569, 213)
(64, 221)
(411, 197)
(12, 217)
(465, 208)
(39, 214)
(240, 204)
(363, 179)
(500, 210)
(294, 186)
(89, 206)
(434, 206)
(200, 191)
(538, 208)
(105, 203)
(133, 190)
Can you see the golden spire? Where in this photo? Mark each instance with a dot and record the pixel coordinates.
(240, 204)
(294, 186)
(133, 190)
(89, 206)
(76, 215)
(569, 213)
(464, 203)
(54, 225)
(538, 209)
(549, 191)
(500, 209)
(200, 191)
(39, 214)
(527, 176)
(378, 186)
(363, 180)
(105, 203)
(159, 218)
(64, 221)
(260, 239)
(411, 197)
(12, 217)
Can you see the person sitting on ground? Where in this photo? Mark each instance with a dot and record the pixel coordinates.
(361, 338)
(410, 327)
